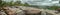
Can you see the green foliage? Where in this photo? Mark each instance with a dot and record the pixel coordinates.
(26, 4)
(17, 3)
(53, 7)
(0, 1)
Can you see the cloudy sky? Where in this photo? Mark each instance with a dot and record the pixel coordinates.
(42, 2)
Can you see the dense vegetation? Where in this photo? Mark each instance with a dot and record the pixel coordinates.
(53, 7)
(17, 3)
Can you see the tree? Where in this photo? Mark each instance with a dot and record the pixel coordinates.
(19, 2)
(2, 3)
(26, 4)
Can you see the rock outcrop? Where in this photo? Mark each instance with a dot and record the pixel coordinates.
(20, 10)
